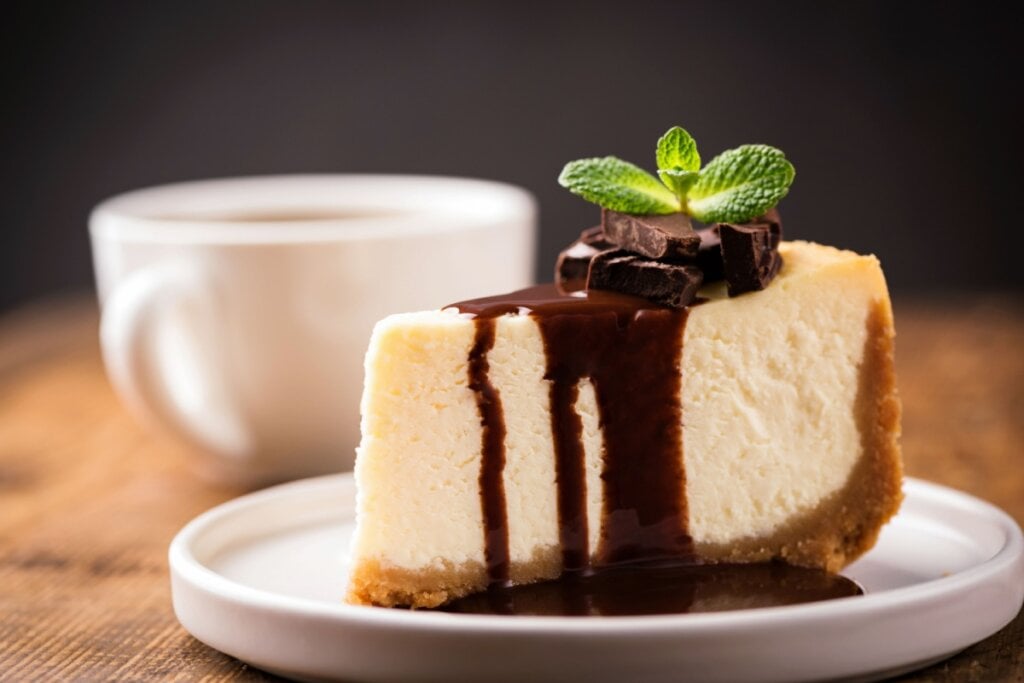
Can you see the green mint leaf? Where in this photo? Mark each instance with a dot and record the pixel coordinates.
(677, 150)
(740, 184)
(677, 180)
(618, 185)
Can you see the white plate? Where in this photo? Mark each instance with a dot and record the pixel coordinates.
(261, 578)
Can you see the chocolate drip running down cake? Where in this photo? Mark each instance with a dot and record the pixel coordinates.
(746, 413)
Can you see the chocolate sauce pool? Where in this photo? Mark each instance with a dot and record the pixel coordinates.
(644, 589)
(631, 351)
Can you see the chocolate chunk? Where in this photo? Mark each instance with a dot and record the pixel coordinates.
(595, 237)
(574, 261)
(668, 284)
(748, 257)
(774, 221)
(658, 237)
(709, 257)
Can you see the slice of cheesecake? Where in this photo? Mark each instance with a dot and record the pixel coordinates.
(511, 439)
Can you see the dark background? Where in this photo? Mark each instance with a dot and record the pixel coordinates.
(902, 119)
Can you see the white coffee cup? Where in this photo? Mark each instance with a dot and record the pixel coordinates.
(236, 312)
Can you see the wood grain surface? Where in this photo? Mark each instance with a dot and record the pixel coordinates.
(89, 499)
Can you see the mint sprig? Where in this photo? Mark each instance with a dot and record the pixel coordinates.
(678, 161)
(737, 185)
(677, 150)
(618, 185)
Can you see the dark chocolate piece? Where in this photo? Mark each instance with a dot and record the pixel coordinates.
(574, 261)
(573, 264)
(774, 221)
(709, 258)
(657, 237)
(596, 238)
(748, 257)
(668, 284)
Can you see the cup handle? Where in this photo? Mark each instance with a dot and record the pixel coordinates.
(159, 309)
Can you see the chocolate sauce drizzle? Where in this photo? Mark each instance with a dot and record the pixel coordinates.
(631, 350)
(570, 475)
(492, 419)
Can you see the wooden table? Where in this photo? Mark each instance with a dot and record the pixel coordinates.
(89, 500)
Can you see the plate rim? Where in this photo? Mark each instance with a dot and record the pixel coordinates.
(185, 566)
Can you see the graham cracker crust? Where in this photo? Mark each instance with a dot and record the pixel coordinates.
(373, 583)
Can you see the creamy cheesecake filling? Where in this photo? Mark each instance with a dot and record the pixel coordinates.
(770, 391)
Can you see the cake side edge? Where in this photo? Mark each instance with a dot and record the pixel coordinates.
(847, 523)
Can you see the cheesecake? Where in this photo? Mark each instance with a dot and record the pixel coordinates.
(681, 401)
(511, 439)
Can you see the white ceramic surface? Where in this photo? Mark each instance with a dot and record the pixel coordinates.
(244, 333)
(261, 578)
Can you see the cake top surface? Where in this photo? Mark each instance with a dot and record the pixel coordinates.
(802, 260)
